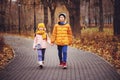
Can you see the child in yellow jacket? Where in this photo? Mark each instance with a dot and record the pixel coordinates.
(62, 37)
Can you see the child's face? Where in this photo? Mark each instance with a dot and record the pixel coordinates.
(40, 28)
(62, 18)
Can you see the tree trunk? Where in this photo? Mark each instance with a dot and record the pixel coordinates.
(10, 17)
(95, 16)
(75, 23)
(72, 21)
(19, 18)
(96, 23)
(77, 26)
(52, 19)
(3, 15)
(89, 19)
(117, 18)
(101, 16)
(25, 18)
(74, 15)
(52, 8)
(45, 15)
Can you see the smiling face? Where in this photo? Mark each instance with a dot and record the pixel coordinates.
(61, 18)
(40, 28)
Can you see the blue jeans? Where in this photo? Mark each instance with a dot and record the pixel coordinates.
(62, 53)
(41, 54)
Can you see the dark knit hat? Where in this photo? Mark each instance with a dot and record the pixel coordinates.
(62, 14)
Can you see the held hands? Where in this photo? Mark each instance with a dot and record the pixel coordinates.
(51, 44)
(34, 48)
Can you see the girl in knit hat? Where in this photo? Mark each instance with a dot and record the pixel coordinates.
(40, 43)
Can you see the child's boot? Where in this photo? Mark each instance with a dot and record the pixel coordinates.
(43, 62)
(61, 63)
(64, 65)
(40, 64)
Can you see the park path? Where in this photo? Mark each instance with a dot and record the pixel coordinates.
(82, 65)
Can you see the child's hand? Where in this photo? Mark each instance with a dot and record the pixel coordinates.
(49, 41)
(51, 44)
(34, 48)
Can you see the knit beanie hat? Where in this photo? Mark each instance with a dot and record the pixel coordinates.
(62, 14)
(41, 25)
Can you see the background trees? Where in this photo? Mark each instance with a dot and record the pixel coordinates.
(24, 15)
(51, 4)
(2, 14)
(117, 17)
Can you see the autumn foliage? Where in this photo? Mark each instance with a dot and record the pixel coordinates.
(103, 44)
(6, 53)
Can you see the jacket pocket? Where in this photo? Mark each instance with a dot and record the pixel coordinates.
(38, 46)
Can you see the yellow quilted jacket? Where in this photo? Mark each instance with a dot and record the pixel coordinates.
(62, 35)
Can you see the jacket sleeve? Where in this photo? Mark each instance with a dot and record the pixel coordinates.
(34, 42)
(54, 33)
(69, 35)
